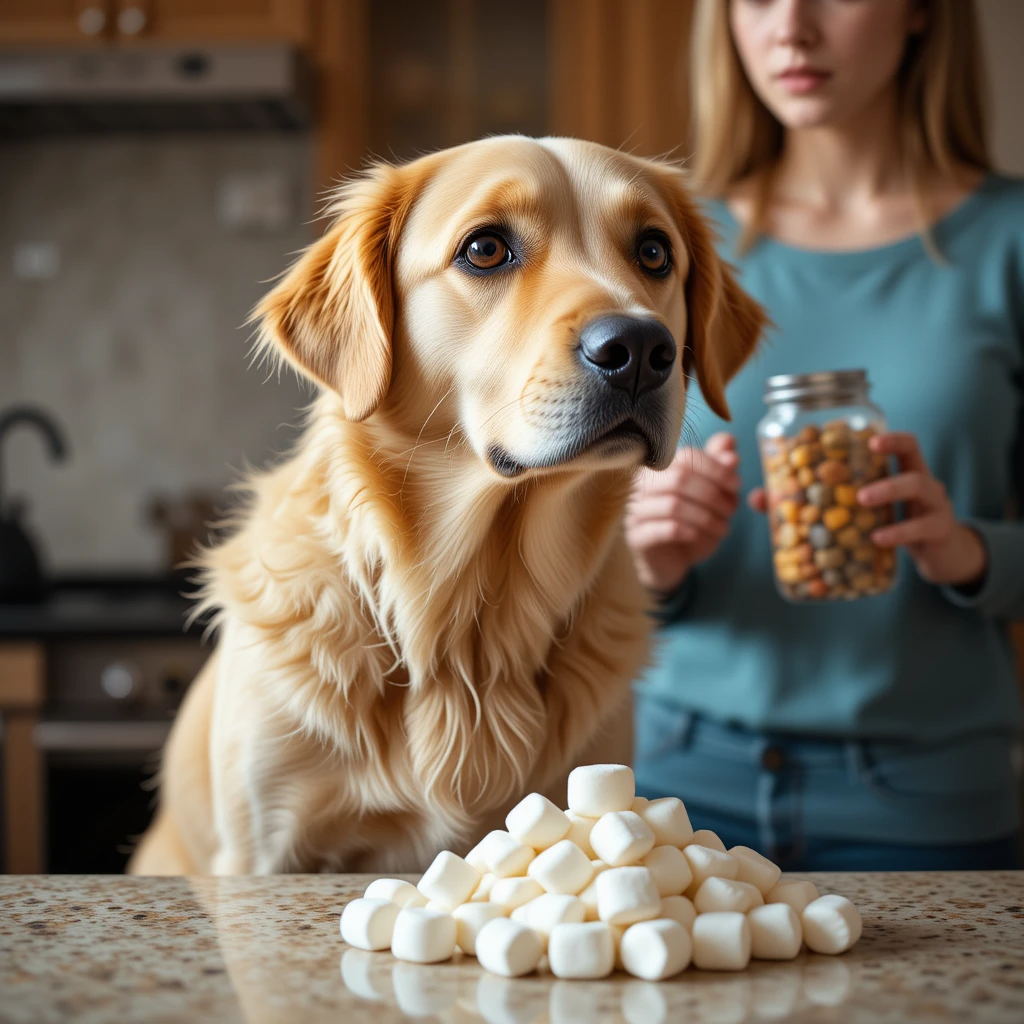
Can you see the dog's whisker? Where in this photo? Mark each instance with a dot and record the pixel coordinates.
(416, 444)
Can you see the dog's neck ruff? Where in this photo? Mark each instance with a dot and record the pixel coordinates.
(465, 585)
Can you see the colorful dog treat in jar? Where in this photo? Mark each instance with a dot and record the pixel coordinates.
(815, 456)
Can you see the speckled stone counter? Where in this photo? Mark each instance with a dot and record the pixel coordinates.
(936, 947)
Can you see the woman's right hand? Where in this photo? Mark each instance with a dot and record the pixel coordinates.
(677, 517)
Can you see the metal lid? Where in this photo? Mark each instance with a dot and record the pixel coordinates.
(834, 384)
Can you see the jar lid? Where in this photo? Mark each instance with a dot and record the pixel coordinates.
(833, 384)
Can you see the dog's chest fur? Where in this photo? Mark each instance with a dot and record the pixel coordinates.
(409, 640)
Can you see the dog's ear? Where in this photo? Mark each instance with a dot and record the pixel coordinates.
(723, 322)
(332, 314)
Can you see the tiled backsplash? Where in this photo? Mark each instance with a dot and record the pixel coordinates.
(136, 346)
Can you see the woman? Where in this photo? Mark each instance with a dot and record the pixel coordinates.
(842, 145)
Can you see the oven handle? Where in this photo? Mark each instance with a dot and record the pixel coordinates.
(101, 736)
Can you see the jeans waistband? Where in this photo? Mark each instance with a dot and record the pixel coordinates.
(737, 743)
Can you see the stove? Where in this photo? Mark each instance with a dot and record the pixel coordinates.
(120, 654)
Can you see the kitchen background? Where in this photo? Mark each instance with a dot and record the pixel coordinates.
(136, 232)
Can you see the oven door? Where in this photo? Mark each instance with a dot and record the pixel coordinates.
(99, 792)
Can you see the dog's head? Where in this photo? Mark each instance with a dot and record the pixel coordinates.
(548, 299)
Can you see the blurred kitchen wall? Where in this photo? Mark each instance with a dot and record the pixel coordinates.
(1002, 29)
(126, 269)
(128, 266)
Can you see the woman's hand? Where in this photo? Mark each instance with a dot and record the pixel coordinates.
(944, 550)
(677, 517)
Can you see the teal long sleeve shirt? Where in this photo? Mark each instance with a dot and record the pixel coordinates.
(943, 344)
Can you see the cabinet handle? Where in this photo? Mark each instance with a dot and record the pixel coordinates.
(92, 20)
(131, 20)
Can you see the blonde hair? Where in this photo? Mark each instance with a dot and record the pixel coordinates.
(942, 108)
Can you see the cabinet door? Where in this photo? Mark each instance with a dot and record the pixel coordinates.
(619, 73)
(55, 21)
(213, 20)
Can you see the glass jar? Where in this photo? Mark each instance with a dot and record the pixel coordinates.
(815, 458)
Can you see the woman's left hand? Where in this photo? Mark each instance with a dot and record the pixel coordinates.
(944, 550)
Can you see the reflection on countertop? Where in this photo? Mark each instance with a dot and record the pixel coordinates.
(936, 946)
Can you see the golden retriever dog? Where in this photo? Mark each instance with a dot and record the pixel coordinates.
(429, 608)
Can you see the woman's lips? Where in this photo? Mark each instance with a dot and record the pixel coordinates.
(799, 81)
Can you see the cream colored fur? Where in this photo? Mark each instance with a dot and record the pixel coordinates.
(408, 641)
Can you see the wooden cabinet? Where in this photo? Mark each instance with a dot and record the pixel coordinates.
(21, 777)
(400, 77)
(619, 73)
(55, 21)
(99, 21)
(213, 20)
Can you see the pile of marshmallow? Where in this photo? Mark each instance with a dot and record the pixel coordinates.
(616, 881)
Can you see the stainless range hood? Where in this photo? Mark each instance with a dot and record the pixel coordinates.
(181, 88)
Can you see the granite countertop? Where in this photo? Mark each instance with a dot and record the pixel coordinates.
(936, 947)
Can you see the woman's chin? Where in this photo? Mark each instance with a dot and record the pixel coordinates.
(803, 111)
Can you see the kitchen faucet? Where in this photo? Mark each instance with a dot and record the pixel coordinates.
(21, 576)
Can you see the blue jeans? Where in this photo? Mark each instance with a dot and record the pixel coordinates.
(833, 805)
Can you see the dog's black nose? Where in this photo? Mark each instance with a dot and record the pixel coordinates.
(630, 353)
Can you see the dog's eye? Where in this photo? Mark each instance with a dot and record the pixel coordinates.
(487, 252)
(654, 254)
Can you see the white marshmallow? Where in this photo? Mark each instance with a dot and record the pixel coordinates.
(596, 789)
(449, 880)
(618, 930)
(469, 919)
(668, 820)
(670, 868)
(438, 906)
(583, 950)
(654, 950)
(726, 894)
(589, 895)
(405, 894)
(832, 924)
(621, 837)
(482, 892)
(796, 894)
(756, 869)
(509, 893)
(580, 828)
(705, 837)
(775, 932)
(508, 948)
(563, 868)
(521, 914)
(679, 908)
(708, 863)
(721, 941)
(475, 857)
(369, 923)
(423, 936)
(627, 895)
(504, 855)
(639, 803)
(543, 913)
(535, 821)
